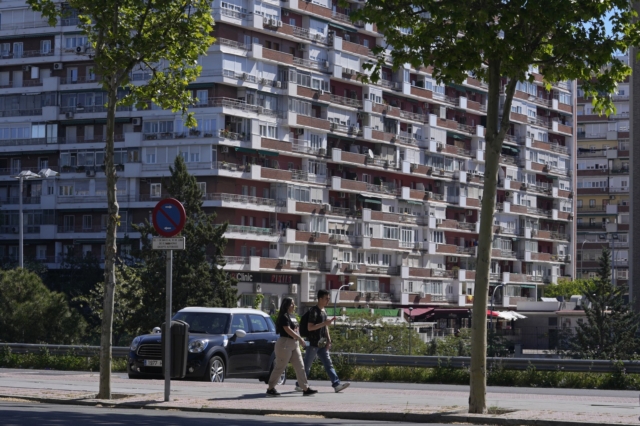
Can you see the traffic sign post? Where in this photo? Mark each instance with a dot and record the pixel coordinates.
(168, 220)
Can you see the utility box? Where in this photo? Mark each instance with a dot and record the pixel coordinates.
(179, 348)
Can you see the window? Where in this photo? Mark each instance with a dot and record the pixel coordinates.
(239, 321)
(390, 232)
(258, 323)
(432, 287)
(87, 222)
(151, 156)
(202, 186)
(156, 190)
(18, 50)
(368, 285)
(203, 97)
(437, 237)
(386, 259)
(45, 47)
(269, 131)
(65, 190)
(41, 252)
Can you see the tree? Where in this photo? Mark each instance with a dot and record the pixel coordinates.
(496, 41)
(198, 277)
(163, 37)
(611, 326)
(31, 313)
(567, 288)
(367, 333)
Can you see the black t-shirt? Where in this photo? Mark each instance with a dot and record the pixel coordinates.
(317, 316)
(286, 320)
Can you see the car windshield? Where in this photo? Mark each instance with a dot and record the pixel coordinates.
(204, 322)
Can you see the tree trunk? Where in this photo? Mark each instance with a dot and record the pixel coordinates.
(110, 247)
(493, 139)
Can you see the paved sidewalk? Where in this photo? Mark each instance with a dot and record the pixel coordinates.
(538, 407)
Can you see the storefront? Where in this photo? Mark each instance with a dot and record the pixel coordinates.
(273, 286)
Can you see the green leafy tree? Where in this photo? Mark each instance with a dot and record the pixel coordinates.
(31, 313)
(126, 311)
(496, 41)
(367, 333)
(567, 288)
(611, 326)
(198, 277)
(164, 38)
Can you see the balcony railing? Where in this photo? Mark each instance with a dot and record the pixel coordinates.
(308, 63)
(239, 229)
(243, 199)
(355, 103)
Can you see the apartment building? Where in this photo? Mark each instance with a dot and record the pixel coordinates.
(324, 181)
(603, 187)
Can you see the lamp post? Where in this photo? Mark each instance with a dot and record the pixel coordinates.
(582, 258)
(491, 314)
(22, 176)
(335, 299)
(410, 322)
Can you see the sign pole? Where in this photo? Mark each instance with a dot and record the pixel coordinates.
(167, 330)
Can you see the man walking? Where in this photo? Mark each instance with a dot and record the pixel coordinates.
(320, 342)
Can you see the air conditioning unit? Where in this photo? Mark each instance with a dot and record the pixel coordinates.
(91, 173)
(429, 194)
(263, 81)
(257, 288)
(440, 146)
(315, 234)
(343, 195)
(326, 64)
(279, 24)
(57, 66)
(568, 258)
(224, 149)
(396, 85)
(353, 266)
(422, 295)
(80, 49)
(299, 132)
(452, 259)
(317, 37)
(293, 289)
(332, 126)
(507, 194)
(245, 76)
(266, 21)
(136, 121)
(26, 68)
(438, 221)
(326, 207)
(322, 151)
(277, 84)
(612, 197)
(69, 114)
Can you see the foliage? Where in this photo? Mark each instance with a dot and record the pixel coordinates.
(258, 301)
(367, 333)
(567, 288)
(611, 326)
(30, 313)
(130, 304)
(44, 360)
(198, 277)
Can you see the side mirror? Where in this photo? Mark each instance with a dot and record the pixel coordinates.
(156, 330)
(240, 333)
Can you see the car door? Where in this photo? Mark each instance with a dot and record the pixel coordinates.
(263, 339)
(243, 357)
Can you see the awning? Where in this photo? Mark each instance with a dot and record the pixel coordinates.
(351, 311)
(527, 285)
(493, 314)
(418, 311)
(268, 153)
(417, 203)
(372, 201)
(343, 28)
(246, 150)
(456, 136)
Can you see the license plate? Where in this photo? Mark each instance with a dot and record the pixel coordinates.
(152, 363)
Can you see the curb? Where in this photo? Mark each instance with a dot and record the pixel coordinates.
(452, 417)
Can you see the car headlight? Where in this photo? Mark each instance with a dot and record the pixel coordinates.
(197, 346)
(135, 344)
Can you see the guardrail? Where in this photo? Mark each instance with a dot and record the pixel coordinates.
(379, 360)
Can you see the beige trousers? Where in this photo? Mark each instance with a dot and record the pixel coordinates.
(288, 350)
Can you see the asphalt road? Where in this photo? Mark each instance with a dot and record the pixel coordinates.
(17, 413)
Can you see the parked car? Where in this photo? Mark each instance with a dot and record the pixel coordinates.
(223, 342)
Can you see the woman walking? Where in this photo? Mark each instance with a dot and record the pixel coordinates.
(288, 349)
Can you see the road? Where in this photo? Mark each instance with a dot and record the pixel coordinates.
(17, 413)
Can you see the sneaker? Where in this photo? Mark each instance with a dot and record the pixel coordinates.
(342, 386)
(309, 391)
(272, 392)
(299, 389)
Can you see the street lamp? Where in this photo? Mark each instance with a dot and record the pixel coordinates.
(22, 176)
(410, 322)
(491, 314)
(335, 299)
(582, 258)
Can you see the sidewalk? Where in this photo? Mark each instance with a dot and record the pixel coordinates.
(412, 403)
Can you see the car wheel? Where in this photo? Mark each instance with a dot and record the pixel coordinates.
(215, 371)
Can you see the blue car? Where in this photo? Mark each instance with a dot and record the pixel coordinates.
(223, 342)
